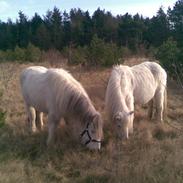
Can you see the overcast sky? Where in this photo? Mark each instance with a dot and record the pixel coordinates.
(148, 8)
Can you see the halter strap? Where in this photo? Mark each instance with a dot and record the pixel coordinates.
(89, 136)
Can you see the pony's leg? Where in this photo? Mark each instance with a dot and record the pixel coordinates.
(159, 97)
(131, 124)
(32, 117)
(52, 125)
(130, 104)
(39, 119)
(150, 109)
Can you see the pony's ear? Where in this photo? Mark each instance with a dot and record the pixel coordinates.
(130, 113)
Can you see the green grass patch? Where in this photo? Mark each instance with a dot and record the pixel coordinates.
(2, 119)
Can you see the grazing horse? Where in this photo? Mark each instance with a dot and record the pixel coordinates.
(56, 93)
(139, 84)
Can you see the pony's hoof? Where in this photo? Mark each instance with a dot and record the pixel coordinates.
(34, 130)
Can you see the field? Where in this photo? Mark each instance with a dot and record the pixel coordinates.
(153, 154)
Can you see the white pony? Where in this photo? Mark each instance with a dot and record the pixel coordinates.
(57, 93)
(138, 84)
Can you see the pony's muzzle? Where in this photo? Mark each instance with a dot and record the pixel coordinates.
(123, 136)
(94, 146)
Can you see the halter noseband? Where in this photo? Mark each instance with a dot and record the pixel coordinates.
(90, 138)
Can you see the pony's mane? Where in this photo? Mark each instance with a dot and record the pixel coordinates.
(76, 100)
(114, 97)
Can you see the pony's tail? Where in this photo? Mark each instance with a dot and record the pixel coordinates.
(165, 104)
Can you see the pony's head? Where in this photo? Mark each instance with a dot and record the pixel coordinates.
(92, 134)
(122, 123)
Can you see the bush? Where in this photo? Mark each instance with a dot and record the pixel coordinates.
(104, 54)
(169, 56)
(18, 54)
(77, 55)
(98, 53)
(7, 55)
(32, 53)
(2, 56)
(2, 118)
(151, 52)
(125, 52)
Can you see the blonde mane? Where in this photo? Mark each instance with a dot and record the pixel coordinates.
(75, 99)
(115, 91)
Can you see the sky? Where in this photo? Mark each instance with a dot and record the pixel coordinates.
(148, 8)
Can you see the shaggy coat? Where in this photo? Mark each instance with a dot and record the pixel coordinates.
(138, 84)
(57, 93)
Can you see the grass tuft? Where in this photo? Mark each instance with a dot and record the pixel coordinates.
(153, 153)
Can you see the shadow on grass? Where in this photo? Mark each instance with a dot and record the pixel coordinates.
(68, 161)
(32, 146)
(64, 161)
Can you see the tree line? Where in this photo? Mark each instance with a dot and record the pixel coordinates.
(97, 39)
(60, 29)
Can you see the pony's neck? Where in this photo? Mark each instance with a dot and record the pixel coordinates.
(85, 110)
(118, 97)
(122, 105)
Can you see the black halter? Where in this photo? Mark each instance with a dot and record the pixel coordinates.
(90, 138)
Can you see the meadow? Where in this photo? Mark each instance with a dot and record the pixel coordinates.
(153, 154)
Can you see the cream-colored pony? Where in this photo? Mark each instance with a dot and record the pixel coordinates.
(57, 93)
(139, 84)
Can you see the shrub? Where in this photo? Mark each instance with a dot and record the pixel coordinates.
(104, 54)
(169, 56)
(18, 54)
(125, 52)
(2, 118)
(9, 55)
(151, 52)
(77, 55)
(2, 56)
(32, 53)
(98, 53)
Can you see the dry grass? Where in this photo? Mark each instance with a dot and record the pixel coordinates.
(154, 153)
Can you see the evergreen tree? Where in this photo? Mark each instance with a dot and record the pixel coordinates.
(66, 29)
(130, 31)
(56, 29)
(43, 37)
(77, 32)
(23, 30)
(35, 23)
(98, 19)
(77, 28)
(158, 29)
(176, 21)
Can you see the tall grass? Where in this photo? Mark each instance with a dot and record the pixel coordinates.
(154, 153)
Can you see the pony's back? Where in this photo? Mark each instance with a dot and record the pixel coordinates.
(34, 87)
(33, 70)
(51, 89)
(158, 72)
(64, 80)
